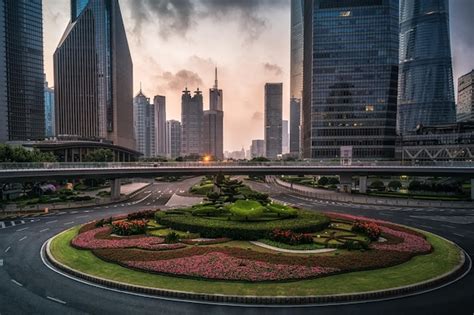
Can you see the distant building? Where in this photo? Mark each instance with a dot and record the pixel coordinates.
(425, 90)
(257, 149)
(295, 120)
(144, 125)
(465, 107)
(285, 147)
(213, 123)
(191, 120)
(49, 117)
(173, 133)
(93, 75)
(160, 124)
(235, 155)
(273, 119)
(21, 71)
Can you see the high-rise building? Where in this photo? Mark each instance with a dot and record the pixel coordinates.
(213, 123)
(49, 121)
(465, 107)
(191, 120)
(350, 78)
(426, 92)
(285, 146)
(144, 125)
(257, 149)
(273, 119)
(295, 120)
(160, 123)
(93, 74)
(21, 70)
(173, 133)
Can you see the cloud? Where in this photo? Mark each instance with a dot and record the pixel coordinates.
(181, 79)
(273, 68)
(257, 116)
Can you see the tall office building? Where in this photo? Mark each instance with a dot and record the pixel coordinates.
(213, 123)
(273, 119)
(426, 92)
(144, 125)
(295, 120)
(21, 70)
(257, 149)
(49, 121)
(93, 74)
(465, 106)
(285, 141)
(173, 142)
(160, 123)
(350, 78)
(191, 120)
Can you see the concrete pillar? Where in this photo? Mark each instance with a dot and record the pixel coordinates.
(472, 188)
(115, 189)
(345, 183)
(363, 184)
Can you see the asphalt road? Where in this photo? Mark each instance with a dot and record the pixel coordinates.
(27, 286)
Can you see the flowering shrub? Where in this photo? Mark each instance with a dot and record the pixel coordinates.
(411, 243)
(371, 229)
(125, 228)
(290, 237)
(141, 215)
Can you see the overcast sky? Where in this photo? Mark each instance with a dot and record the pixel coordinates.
(178, 42)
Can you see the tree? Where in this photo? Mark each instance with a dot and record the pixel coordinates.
(18, 154)
(333, 181)
(414, 186)
(377, 185)
(100, 155)
(394, 185)
(259, 159)
(323, 181)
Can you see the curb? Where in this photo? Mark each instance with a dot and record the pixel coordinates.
(462, 269)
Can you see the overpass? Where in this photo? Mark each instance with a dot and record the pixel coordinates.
(23, 172)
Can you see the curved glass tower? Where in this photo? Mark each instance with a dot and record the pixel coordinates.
(426, 93)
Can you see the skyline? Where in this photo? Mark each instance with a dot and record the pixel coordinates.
(173, 50)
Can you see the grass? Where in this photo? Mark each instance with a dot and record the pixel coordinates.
(202, 188)
(443, 259)
(247, 209)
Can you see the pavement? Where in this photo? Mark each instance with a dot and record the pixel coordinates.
(27, 286)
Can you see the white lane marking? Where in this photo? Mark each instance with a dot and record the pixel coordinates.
(23, 238)
(2, 225)
(61, 213)
(82, 216)
(22, 229)
(74, 212)
(69, 223)
(87, 211)
(8, 249)
(460, 235)
(106, 207)
(1, 262)
(425, 226)
(16, 282)
(148, 204)
(12, 223)
(44, 230)
(49, 222)
(55, 300)
(448, 226)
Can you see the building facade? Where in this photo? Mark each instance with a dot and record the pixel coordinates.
(465, 106)
(144, 125)
(191, 120)
(295, 118)
(21, 70)
(49, 120)
(173, 133)
(426, 92)
(93, 75)
(273, 119)
(160, 124)
(285, 138)
(213, 123)
(350, 72)
(257, 149)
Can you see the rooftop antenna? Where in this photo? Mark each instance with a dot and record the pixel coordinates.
(215, 81)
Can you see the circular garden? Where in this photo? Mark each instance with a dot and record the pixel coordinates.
(243, 244)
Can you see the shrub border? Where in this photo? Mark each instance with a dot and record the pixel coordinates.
(461, 270)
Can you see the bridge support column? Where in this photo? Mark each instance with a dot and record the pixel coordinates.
(345, 183)
(363, 184)
(472, 188)
(115, 189)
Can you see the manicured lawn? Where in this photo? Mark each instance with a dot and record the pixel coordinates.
(444, 257)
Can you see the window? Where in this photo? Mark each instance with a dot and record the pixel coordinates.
(369, 108)
(345, 13)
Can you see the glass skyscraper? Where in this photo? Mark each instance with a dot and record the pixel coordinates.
(273, 119)
(49, 120)
(21, 70)
(350, 76)
(426, 92)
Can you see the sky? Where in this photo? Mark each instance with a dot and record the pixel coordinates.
(175, 43)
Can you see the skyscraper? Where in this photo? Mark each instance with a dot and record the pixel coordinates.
(49, 120)
(297, 45)
(465, 107)
(285, 141)
(93, 74)
(213, 123)
(273, 119)
(173, 133)
(144, 125)
(350, 78)
(21, 70)
(191, 119)
(257, 149)
(426, 92)
(295, 119)
(160, 123)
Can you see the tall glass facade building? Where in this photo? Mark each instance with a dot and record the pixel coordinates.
(144, 125)
(426, 92)
(93, 75)
(49, 120)
(21, 70)
(273, 119)
(350, 78)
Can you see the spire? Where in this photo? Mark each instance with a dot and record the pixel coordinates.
(141, 87)
(215, 81)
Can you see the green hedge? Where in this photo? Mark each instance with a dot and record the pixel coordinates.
(306, 222)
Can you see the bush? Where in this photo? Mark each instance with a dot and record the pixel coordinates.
(126, 228)
(205, 211)
(377, 185)
(323, 181)
(140, 215)
(333, 181)
(370, 229)
(247, 209)
(394, 185)
(171, 238)
(291, 238)
(282, 210)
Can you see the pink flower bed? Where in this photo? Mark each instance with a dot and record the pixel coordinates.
(411, 243)
(219, 266)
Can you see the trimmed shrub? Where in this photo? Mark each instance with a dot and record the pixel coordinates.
(126, 228)
(377, 185)
(394, 185)
(371, 229)
(171, 238)
(247, 209)
(291, 238)
(145, 214)
(282, 210)
(323, 181)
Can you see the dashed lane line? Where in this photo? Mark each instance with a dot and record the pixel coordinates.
(50, 222)
(44, 230)
(7, 249)
(23, 238)
(82, 216)
(2, 225)
(55, 300)
(448, 226)
(16, 282)
(1, 262)
(457, 234)
(23, 229)
(69, 223)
